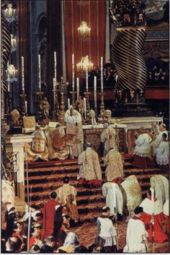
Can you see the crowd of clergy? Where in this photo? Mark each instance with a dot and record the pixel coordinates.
(48, 230)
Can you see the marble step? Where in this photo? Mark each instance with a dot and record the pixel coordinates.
(148, 176)
(90, 217)
(62, 170)
(80, 191)
(86, 198)
(58, 178)
(51, 163)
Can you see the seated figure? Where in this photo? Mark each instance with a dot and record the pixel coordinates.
(57, 143)
(38, 148)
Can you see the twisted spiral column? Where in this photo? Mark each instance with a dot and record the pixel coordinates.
(128, 59)
(5, 47)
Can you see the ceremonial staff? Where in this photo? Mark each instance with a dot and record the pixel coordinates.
(28, 202)
(152, 219)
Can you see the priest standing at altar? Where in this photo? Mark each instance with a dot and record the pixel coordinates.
(74, 129)
(108, 138)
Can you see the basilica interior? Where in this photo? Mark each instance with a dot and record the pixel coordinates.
(84, 84)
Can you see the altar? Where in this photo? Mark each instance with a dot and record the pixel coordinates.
(125, 128)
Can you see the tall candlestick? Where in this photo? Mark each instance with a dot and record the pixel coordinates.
(54, 89)
(101, 64)
(85, 107)
(87, 81)
(78, 88)
(39, 71)
(26, 106)
(95, 93)
(22, 73)
(55, 65)
(73, 80)
(73, 73)
(68, 102)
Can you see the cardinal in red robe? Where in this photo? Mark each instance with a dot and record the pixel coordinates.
(48, 212)
(154, 219)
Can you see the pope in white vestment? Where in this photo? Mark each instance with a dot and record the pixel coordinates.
(114, 197)
(89, 164)
(143, 146)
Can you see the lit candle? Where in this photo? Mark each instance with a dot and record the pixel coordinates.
(78, 88)
(55, 65)
(39, 71)
(54, 86)
(95, 92)
(87, 82)
(26, 106)
(73, 75)
(68, 101)
(84, 99)
(101, 64)
(22, 73)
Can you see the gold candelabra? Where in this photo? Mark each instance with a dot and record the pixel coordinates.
(38, 99)
(62, 109)
(62, 89)
(87, 95)
(55, 112)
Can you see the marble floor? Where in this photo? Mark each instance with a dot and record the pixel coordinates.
(87, 234)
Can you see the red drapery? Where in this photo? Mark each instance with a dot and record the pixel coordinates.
(94, 13)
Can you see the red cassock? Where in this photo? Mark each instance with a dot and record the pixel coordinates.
(159, 221)
(48, 218)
